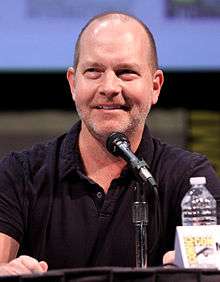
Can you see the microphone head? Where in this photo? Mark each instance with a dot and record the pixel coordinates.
(114, 140)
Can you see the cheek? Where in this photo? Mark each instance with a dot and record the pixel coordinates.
(74, 95)
(83, 100)
(146, 96)
(80, 101)
(142, 97)
(142, 90)
(84, 92)
(80, 94)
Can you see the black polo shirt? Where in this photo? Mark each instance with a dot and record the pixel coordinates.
(59, 215)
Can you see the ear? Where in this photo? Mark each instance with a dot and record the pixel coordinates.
(158, 80)
(70, 75)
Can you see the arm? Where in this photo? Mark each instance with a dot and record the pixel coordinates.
(12, 220)
(8, 248)
(10, 265)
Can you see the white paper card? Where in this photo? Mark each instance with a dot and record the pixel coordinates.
(198, 246)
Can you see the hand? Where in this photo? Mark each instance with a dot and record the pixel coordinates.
(169, 257)
(23, 265)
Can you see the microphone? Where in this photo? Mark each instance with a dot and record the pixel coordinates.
(118, 145)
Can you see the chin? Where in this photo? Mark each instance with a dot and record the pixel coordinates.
(103, 131)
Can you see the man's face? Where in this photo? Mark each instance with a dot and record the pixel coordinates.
(114, 85)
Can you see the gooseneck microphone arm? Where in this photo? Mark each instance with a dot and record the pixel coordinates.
(118, 145)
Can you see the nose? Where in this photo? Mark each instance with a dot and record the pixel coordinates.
(110, 85)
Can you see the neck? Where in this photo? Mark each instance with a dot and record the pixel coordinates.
(101, 166)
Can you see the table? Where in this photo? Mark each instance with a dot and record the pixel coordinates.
(116, 274)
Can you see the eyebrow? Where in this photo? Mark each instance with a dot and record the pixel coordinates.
(92, 64)
(128, 66)
(118, 66)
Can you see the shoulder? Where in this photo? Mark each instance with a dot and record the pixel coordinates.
(31, 159)
(174, 165)
(166, 157)
(41, 159)
(177, 156)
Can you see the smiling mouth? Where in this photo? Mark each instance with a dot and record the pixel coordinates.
(113, 107)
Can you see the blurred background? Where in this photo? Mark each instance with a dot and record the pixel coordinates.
(37, 39)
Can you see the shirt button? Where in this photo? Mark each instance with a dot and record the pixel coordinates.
(99, 195)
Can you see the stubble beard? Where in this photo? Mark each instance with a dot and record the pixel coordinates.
(128, 127)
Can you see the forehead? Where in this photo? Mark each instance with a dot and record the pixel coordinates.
(115, 32)
(117, 22)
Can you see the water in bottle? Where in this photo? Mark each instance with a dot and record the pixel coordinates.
(198, 205)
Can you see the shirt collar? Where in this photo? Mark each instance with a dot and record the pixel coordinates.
(146, 148)
(70, 160)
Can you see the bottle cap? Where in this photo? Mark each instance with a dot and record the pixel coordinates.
(197, 180)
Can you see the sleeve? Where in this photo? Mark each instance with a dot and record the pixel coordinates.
(12, 197)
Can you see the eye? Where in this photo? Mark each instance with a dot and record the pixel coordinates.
(92, 73)
(127, 74)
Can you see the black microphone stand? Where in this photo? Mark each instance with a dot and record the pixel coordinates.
(118, 144)
(140, 221)
(140, 208)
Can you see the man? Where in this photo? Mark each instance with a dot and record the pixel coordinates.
(68, 203)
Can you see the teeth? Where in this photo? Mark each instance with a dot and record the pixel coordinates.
(110, 107)
(113, 107)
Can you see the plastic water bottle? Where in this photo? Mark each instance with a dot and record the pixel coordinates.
(198, 205)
